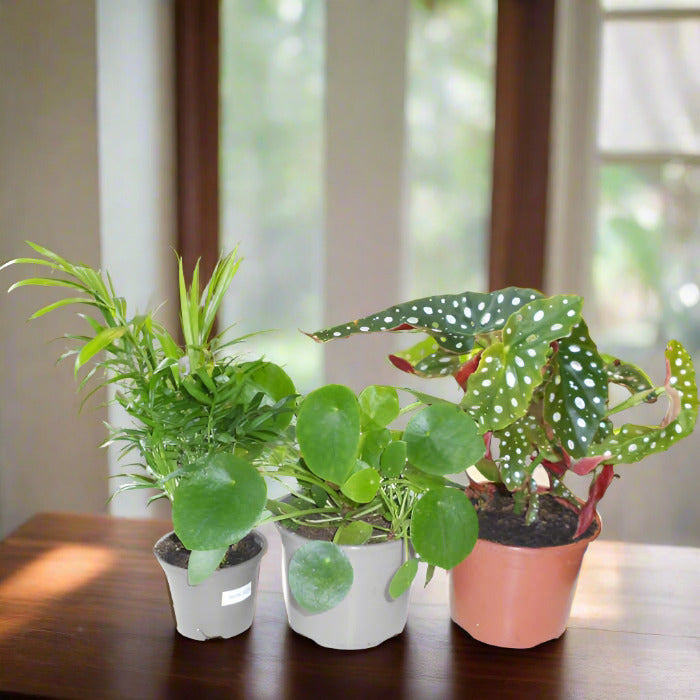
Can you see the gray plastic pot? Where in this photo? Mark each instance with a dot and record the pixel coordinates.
(368, 615)
(223, 605)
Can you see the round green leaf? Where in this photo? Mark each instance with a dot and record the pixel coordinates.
(362, 486)
(218, 502)
(276, 384)
(393, 459)
(203, 564)
(320, 576)
(354, 533)
(444, 527)
(379, 406)
(442, 439)
(403, 578)
(373, 444)
(328, 431)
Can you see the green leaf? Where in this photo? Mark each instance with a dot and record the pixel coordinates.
(328, 431)
(206, 380)
(189, 385)
(379, 405)
(442, 439)
(418, 352)
(514, 453)
(320, 576)
(576, 396)
(453, 320)
(631, 443)
(203, 564)
(277, 385)
(439, 364)
(318, 495)
(444, 527)
(393, 459)
(627, 375)
(401, 581)
(362, 486)
(46, 282)
(488, 469)
(220, 281)
(184, 312)
(98, 343)
(218, 501)
(500, 390)
(61, 302)
(355, 533)
(373, 444)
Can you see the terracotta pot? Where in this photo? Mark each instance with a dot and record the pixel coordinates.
(516, 597)
(223, 605)
(368, 615)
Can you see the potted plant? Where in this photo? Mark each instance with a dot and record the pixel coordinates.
(538, 388)
(369, 503)
(202, 422)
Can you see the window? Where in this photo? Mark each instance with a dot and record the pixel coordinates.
(628, 233)
(271, 145)
(648, 234)
(410, 147)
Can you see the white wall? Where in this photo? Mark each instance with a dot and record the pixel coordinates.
(49, 456)
(90, 173)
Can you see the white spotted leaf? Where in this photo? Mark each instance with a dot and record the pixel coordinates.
(500, 390)
(631, 443)
(627, 375)
(575, 397)
(514, 458)
(452, 320)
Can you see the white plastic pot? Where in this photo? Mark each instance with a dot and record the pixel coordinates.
(368, 615)
(223, 605)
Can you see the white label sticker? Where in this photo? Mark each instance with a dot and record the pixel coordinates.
(236, 595)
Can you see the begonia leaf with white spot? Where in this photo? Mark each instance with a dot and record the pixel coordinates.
(438, 364)
(514, 454)
(576, 395)
(453, 320)
(631, 443)
(500, 390)
(627, 375)
(427, 359)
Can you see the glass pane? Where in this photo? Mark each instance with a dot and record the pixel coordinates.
(450, 131)
(650, 86)
(272, 68)
(646, 280)
(646, 271)
(640, 5)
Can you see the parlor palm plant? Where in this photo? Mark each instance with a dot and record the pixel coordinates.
(202, 420)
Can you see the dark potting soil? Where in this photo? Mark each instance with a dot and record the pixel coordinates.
(327, 533)
(555, 524)
(175, 553)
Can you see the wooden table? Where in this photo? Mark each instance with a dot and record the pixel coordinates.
(84, 613)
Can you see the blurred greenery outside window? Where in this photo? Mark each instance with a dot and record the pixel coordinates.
(271, 163)
(646, 264)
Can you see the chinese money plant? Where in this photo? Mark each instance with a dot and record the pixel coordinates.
(538, 388)
(361, 481)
